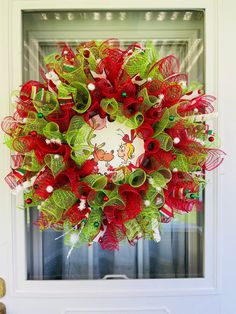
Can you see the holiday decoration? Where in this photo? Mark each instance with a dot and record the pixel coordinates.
(110, 144)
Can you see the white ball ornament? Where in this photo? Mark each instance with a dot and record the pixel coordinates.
(175, 170)
(151, 181)
(57, 141)
(91, 86)
(195, 110)
(147, 203)
(149, 79)
(176, 140)
(56, 156)
(49, 189)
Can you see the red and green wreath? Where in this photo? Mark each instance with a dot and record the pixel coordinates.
(67, 159)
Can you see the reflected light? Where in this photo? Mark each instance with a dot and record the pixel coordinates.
(122, 16)
(70, 16)
(109, 16)
(174, 16)
(161, 16)
(187, 16)
(148, 16)
(44, 16)
(96, 16)
(57, 16)
(197, 56)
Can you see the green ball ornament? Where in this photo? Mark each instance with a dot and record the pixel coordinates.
(124, 94)
(171, 118)
(96, 224)
(40, 115)
(84, 220)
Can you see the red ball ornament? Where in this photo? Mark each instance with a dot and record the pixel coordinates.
(174, 156)
(105, 198)
(211, 139)
(33, 133)
(28, 201)
(86, 53)
(140, 99)
(105, 222)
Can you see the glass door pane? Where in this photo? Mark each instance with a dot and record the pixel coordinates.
(180, 252)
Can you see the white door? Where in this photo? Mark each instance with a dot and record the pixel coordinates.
(192, 270)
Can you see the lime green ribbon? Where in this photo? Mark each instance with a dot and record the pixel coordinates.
(133, 229)
(66, 91)
(55, 163)
(135, 121)
(146, 218)
(60, 201)
(109, 105)
(45, 102)
(148, 100)
(137, 63)
(34, 123)
(96, 181)
(137, 178)
(78, 137)
(159, 178)
(166, 142)
(92, 227)
(174, 117)
(83, 99)
(73, 73)
(30, 162)
(181, 163)
(51, 59)
(160, 126)
(155, 196)
(52, 131)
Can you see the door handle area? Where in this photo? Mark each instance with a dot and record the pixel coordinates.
(2, 288)
(2, 308)
(108, 277)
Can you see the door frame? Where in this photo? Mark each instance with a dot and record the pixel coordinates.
(13, 220)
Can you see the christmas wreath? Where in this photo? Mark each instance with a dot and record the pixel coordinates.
(85, 182)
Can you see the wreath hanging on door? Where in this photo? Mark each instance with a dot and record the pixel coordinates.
(111, 143)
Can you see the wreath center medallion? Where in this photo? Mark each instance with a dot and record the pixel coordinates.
(115, 148)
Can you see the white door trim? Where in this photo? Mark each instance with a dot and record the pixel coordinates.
(14, 219)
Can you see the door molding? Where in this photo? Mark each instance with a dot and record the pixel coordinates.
(14, 219)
